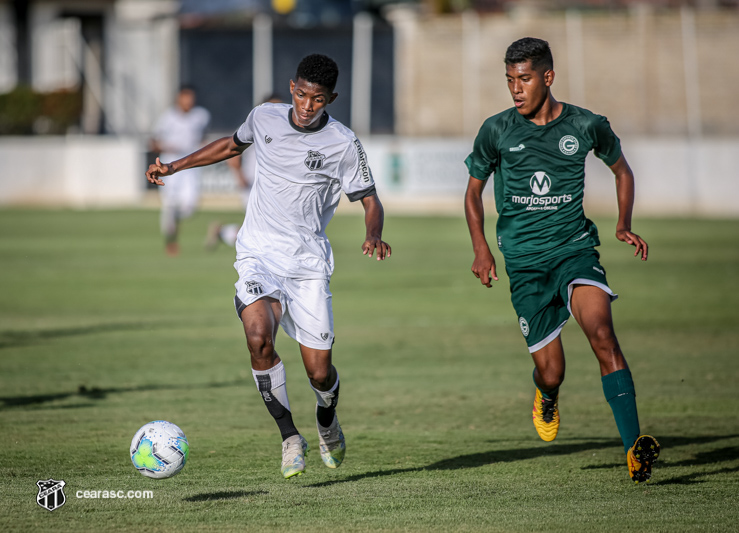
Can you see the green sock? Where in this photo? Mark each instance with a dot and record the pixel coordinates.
(618, 388)
(551, 395)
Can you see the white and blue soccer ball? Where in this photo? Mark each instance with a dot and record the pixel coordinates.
(159, 449)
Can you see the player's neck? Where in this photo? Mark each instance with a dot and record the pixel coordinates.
(550, 110)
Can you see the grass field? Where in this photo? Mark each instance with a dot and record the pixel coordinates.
(101, 333)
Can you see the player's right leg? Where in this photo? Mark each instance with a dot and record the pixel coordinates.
(260, 310)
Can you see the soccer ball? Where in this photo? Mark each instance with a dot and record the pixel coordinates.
(159, 449)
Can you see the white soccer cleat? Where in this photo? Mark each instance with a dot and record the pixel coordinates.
(293, 456)
(332, 443)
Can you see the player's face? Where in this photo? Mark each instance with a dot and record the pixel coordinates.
(309, 101)
(186, 100)
(529, 87)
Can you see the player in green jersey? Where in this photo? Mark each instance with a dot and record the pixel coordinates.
(536, 151)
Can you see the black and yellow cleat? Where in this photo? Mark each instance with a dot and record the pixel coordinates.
(546, 416)
(640, 458)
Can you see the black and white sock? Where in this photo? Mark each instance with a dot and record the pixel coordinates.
(272, 387)
(327, 401)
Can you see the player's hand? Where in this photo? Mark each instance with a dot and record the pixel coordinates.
(157, 171)
(483, 267)
(373, 244)
(633, 239)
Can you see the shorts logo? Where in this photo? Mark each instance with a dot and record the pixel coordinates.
(254, 287)
(50, 494)
(599, 270)
(540, 183)
(324, 336)
(524, 326)
(568, 145)
(314, 161)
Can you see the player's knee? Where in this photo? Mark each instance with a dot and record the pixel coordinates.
(260, 343)
(552, 379)
(603, 340)
(319, 376)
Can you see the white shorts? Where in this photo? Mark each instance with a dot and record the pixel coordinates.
(307, 315)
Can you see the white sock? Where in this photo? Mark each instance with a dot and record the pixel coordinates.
(272, 382)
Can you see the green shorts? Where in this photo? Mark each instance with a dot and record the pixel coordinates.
(541, 293)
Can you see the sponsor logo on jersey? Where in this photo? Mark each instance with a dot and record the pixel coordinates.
(524, 326)
(540, 184)
(516, 148)
(363, 166)
(581, 237)
(568, 145)
(267, 139)
(254, 287)
(50, 494)
(314, 161)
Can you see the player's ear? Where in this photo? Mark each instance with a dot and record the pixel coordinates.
(549, 77)
(332, 97)
(292, 86)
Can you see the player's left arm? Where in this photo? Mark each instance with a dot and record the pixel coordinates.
(625, 196)
(374, 219)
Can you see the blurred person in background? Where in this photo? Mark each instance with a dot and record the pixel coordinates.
(178, 132)
(244, 169)
(537, 151)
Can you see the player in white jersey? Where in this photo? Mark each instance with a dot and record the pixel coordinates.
(178, 132)
(305, 159)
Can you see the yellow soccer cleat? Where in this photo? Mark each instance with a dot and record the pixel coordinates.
(332, 444)
(640, 458)
(546, 417)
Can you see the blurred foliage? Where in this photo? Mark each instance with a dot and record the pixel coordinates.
(24, 111)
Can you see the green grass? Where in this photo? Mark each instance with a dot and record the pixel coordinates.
(101, 333)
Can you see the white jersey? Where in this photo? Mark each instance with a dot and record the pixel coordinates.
(180, 133)
(298, 181)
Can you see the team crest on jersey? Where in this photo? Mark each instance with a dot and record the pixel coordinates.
(50, 494)
(524, 326)
(314, 161)
(568, 145)
(267, 139)
(254, 287)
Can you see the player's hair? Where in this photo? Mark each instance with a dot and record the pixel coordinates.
(188, 87)
(530, 49)
(318, 69)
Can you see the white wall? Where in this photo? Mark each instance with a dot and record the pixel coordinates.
(82, 172)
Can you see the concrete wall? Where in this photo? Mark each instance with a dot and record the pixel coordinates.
(82, 172)
(674, 177)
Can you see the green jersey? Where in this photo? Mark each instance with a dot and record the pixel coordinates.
(539, 180)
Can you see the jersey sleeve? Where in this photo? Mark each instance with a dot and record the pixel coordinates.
(355, 174)
(606, 144)
(483, 160)
(245, 134)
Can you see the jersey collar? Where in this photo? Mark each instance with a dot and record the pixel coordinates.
(321, 123)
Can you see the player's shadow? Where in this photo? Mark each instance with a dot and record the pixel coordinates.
(224, 495)
(13, 338)
(475, 460)
(97, 393)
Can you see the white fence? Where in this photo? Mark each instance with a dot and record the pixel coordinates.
(674, 177)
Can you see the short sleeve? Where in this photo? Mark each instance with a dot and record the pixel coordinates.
(245, 133)
(606, 145)
(483, 160)
(355, 174)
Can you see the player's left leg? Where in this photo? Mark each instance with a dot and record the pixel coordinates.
(324, 379)
(591, 307)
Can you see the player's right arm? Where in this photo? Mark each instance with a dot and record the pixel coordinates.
(219, 150)
(483, 267)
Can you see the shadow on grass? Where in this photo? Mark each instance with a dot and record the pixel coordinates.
(13, 338)
(95, 393)
(224, 495)
(475, 460)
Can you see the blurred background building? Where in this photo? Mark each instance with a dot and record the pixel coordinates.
(83, 81)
